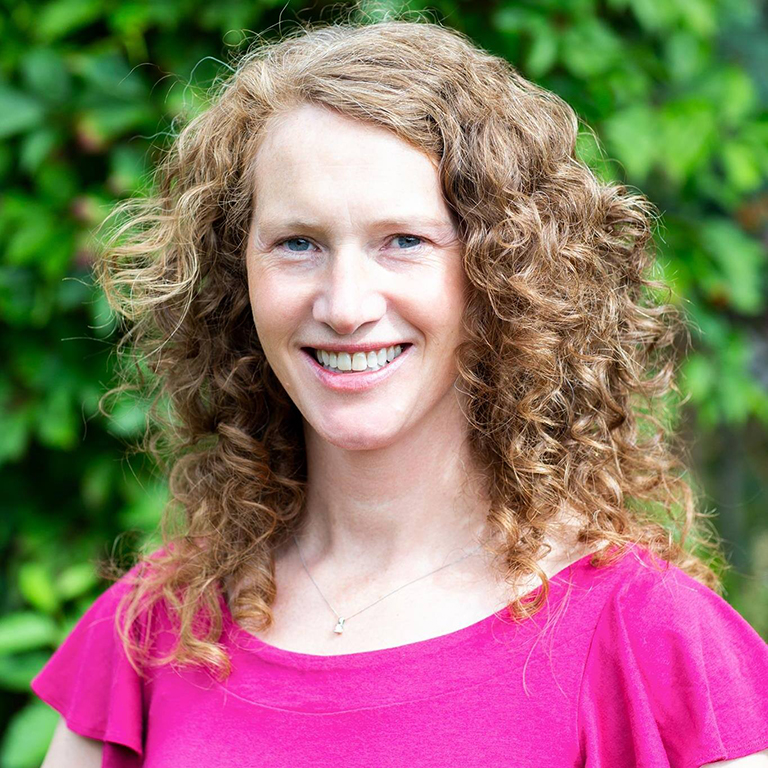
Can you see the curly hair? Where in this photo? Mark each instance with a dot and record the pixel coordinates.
(568, 367)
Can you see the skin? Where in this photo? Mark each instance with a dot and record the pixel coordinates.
(391, 492)
(71, 750)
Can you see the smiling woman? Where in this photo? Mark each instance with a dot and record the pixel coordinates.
(417, 373)
(355, 281)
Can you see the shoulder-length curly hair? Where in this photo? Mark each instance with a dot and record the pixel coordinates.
(570, 350)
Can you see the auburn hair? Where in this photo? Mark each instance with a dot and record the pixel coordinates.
(569, 362)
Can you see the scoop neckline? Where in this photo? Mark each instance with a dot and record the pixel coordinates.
(244, 640)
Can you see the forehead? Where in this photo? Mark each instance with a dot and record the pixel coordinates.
(314, 158)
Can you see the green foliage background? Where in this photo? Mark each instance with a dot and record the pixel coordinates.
(90, 90)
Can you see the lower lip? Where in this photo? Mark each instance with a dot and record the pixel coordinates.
(357, 381)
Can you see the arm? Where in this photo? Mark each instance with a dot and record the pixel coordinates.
(756, 760)
(70, 750)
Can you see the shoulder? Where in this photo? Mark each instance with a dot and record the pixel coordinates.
(674, 624)
(659, 606)
(90, 681)
(672, 670)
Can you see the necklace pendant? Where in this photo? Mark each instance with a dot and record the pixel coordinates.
(339, 628)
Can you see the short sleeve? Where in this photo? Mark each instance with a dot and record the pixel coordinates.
(90, 681)
(674, 678)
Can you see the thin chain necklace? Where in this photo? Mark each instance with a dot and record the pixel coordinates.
(339, 628)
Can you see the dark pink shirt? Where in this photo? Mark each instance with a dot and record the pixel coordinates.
(624, 666)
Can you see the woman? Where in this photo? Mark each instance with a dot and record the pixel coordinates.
(414, 360)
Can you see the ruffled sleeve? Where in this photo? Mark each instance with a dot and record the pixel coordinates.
(674, 678)
(89, 680)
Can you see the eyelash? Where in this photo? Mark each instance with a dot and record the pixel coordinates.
(281, 243)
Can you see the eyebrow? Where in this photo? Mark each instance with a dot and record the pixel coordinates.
(403, 223)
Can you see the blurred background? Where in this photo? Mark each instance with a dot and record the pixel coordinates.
(92, 90)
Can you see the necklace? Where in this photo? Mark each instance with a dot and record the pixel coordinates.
(339, 628)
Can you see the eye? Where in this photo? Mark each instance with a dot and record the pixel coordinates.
(409, 239)
(302, 241)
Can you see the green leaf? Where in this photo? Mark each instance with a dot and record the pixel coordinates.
(510, 19)
(76, 580)
(593, 155)
(732, 91)
(29, 241)
(45, 75)
(654, 15)
(687, 136)
(17, 671)
(128, 170)
(25, 630)
(590, 48)
(128, 417)
(36, 585)
(103, 320)
(628, 85)
(147, 501)
(110, 74)
(699, 377)
(61, 17)
(699, 16)
(632, 134)
(741, 261)
(115, 119)
(686, 56)
(18, 112)
(741, 166)
(28, 736)
(135, 17)
(15, 431)
(57, 182)
(756, 136)
(57, 423)
(542, 53)
(72, 294)
(734, 381)
(96, 483)
(36, 147)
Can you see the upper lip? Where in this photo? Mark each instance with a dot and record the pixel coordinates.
(362, 347)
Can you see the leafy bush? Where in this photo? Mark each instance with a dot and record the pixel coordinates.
(90, 92)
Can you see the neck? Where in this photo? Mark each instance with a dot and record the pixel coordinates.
(408, 506)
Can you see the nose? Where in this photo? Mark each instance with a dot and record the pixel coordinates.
(348, 296)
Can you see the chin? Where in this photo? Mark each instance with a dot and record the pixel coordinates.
(352, 438)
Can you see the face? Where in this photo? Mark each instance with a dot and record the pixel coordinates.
(351, 244)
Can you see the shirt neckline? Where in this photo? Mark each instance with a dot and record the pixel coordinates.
(244, 640)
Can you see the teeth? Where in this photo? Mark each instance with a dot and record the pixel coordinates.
(359, 361)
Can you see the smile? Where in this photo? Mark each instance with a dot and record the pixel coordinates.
(344, 362)
(352, 380)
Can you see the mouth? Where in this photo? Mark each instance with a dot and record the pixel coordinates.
(312, 353)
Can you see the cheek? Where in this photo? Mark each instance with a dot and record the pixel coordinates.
(274, 305)
(440, 304)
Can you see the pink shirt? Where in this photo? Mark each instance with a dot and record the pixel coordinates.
(624, 666)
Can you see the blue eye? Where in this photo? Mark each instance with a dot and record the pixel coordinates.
(296, 240)
(409, 237)
(411, 242)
